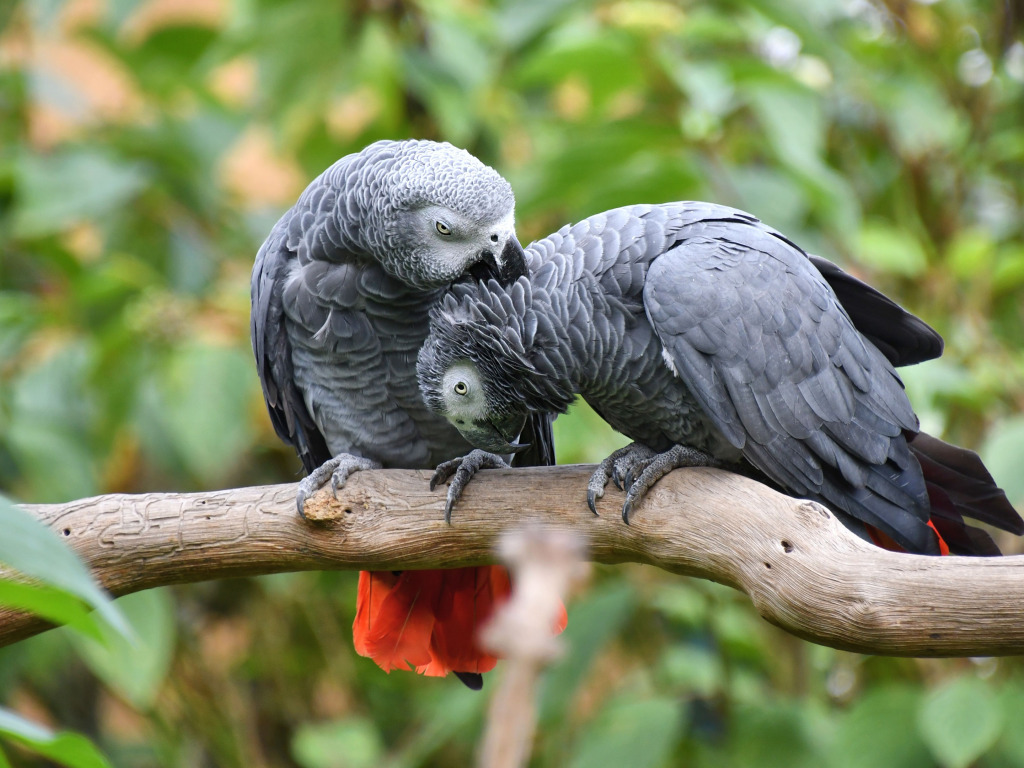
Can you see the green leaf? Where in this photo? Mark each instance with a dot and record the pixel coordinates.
(52, 411)
(350, 743)
(1008, 275)
(921, 117)
(52, 604)
(1001, 453)
(450, 712)
(794, 124)
(1011, 744)
(199, 410)
(69, 749)
(692, 669)
(880, 730)
(960, 721)
(33, 549)
(970, 254)
(891, 250)
(607, 64)
(778, 735)
(519, 20)
(136, 670)
(640, 734)
(59, 190)
(793, 121)
(739, 630)
(681, 601)
(593, 622)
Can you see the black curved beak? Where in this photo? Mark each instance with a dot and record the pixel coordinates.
(492, 435)
(506, 268)
(517, 447)
(512, 262)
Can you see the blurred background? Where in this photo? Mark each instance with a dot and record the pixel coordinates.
(146, 148)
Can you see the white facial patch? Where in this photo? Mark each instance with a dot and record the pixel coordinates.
(463, 394)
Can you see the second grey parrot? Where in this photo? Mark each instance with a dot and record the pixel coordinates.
(341, 294)
(711, 339)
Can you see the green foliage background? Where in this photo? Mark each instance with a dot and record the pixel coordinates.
(147, 148)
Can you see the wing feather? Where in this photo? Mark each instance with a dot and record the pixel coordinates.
(288, 413)
(761, 340)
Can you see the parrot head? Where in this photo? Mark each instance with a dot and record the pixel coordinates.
(441, 214)
(480, 418)
(482, 366)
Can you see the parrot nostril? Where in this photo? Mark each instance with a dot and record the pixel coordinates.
(494, 238)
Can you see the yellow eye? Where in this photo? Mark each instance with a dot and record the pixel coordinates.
(461, 388)
(443, 228)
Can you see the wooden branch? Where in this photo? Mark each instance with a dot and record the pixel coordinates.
(801, 568)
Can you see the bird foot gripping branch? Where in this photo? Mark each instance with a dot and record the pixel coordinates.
(636, 468)
(461, 471)
(337, 470)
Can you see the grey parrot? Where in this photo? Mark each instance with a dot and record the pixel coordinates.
(711, 339)
(341, 294)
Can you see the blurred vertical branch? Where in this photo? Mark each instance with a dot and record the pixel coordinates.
(545, 565)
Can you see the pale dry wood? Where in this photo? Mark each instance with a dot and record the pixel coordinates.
(801, 568)
(544, 565)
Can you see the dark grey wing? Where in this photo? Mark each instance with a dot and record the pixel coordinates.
(288, 413)
(903, 338)
(759, 338)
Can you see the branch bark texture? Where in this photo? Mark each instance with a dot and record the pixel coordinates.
(801, 568)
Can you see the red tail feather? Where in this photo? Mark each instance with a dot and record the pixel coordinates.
(395, 617)
(428, 620)
(885, 542)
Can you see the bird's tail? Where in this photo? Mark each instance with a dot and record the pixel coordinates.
(883, 540)
(429, 620)
(960, 486)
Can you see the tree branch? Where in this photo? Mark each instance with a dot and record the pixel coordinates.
(803, 571)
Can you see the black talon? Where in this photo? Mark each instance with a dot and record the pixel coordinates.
(591, 504)
(629, 479)
(615, 479)
(626, 509)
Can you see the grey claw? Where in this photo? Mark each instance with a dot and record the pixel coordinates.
(300, 500)
(629, 479)
(461, 471)
(627, 507)
(444, 471)
(591, 503)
